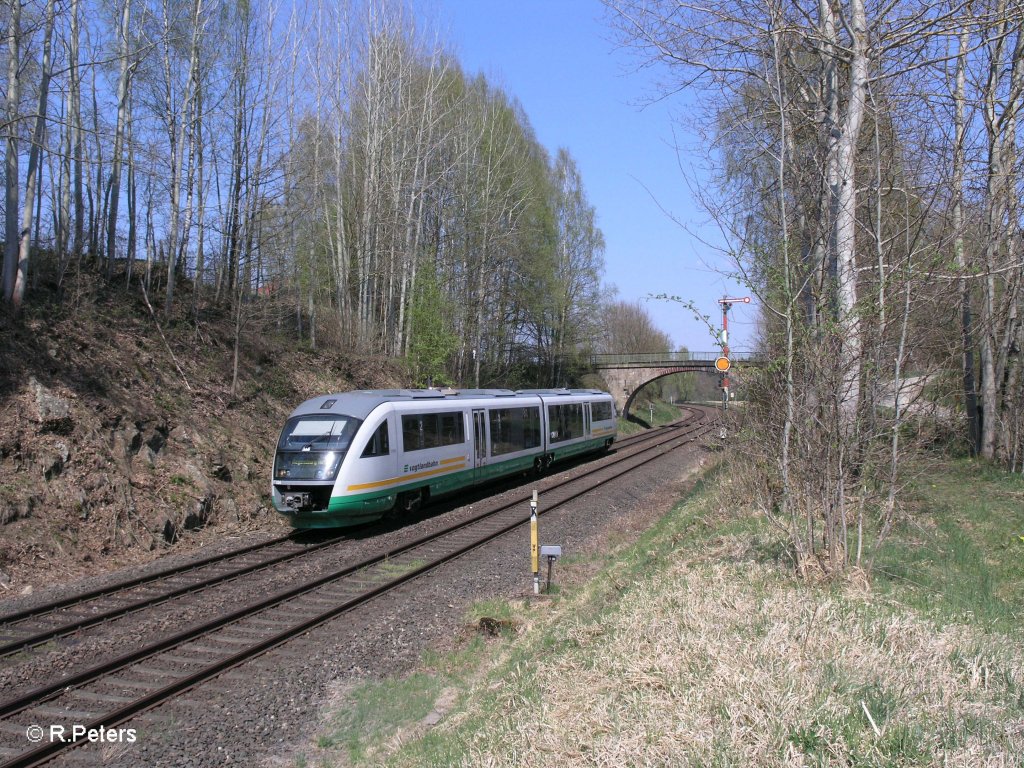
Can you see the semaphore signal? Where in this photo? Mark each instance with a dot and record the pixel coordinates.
(722, 364)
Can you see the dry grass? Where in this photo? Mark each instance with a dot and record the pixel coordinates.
(698, 647)
(722, 664)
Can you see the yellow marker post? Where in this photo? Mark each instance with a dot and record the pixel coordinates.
(534, 551)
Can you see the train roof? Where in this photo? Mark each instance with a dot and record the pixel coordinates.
(361, 402)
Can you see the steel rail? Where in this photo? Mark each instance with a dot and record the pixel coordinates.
(20, 644)
(121, 586)
(44, 752)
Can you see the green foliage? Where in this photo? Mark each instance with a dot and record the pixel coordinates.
(433, 339)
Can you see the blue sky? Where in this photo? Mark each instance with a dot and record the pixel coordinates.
(580, 91)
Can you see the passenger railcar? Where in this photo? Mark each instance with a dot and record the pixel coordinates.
(349, 458)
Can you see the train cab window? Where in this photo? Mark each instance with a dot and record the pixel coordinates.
(313, 447)
(421, 431)
(514, 429)
(602, 411)
(319, 433)
(377, 445)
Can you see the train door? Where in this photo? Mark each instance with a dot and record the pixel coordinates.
(479, 438)
(586, 419)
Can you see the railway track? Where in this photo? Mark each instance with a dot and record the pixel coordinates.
(107, 695)
(28, 628)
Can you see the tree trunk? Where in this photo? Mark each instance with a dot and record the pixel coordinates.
(115, 163)
(959, 163)
(846, 217)
(18, 294)
(12, 198)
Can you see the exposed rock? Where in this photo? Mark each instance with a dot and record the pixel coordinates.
(5, 580)
(219, 468)
(51, 465)
(52, 411)
(170, 532)
(146, 456)
(157, 441)
(126, 441)
(16, 509)
(227, 507)
(200, 514)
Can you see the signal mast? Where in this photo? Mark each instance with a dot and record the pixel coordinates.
(722, 364)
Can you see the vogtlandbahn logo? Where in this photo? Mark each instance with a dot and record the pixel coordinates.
(424, 465)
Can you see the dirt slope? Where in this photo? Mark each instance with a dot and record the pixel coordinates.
(113, 451)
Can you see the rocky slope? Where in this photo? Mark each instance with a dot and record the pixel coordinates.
(120, 441)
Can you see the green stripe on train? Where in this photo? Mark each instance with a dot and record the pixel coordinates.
(356, 509)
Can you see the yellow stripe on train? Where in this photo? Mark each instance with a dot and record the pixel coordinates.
(403, 478)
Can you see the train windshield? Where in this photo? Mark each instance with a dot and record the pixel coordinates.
(313, 447)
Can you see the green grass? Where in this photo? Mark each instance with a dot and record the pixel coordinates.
(374, 711)
(391, 569)
(664, 413)
(960, 557)
(377, 708)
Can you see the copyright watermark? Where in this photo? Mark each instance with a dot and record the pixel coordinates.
(74, 733)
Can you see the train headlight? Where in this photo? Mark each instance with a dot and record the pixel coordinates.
(328, 466)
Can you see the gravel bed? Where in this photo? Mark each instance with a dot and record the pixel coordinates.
(93, 645)
(269, 709)
(54, 660)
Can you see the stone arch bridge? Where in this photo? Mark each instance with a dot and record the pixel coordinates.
(627, 374)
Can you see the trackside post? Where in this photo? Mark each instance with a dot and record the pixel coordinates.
(534, 553)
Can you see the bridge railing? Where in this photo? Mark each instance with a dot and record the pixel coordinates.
(643, 359)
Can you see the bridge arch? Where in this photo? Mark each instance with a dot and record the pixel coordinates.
(632, 395)
(625, 383)
(626, 374)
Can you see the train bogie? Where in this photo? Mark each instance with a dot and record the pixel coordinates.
(350, 458)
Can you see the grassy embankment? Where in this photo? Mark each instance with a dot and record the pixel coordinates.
(697, 646)
(663, 414)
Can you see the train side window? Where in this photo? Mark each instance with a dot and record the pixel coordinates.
(602, 411)
(432, 430)
(413, 433)
(514, 429)
(566, 421)
(452, 431)
(377, 445)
